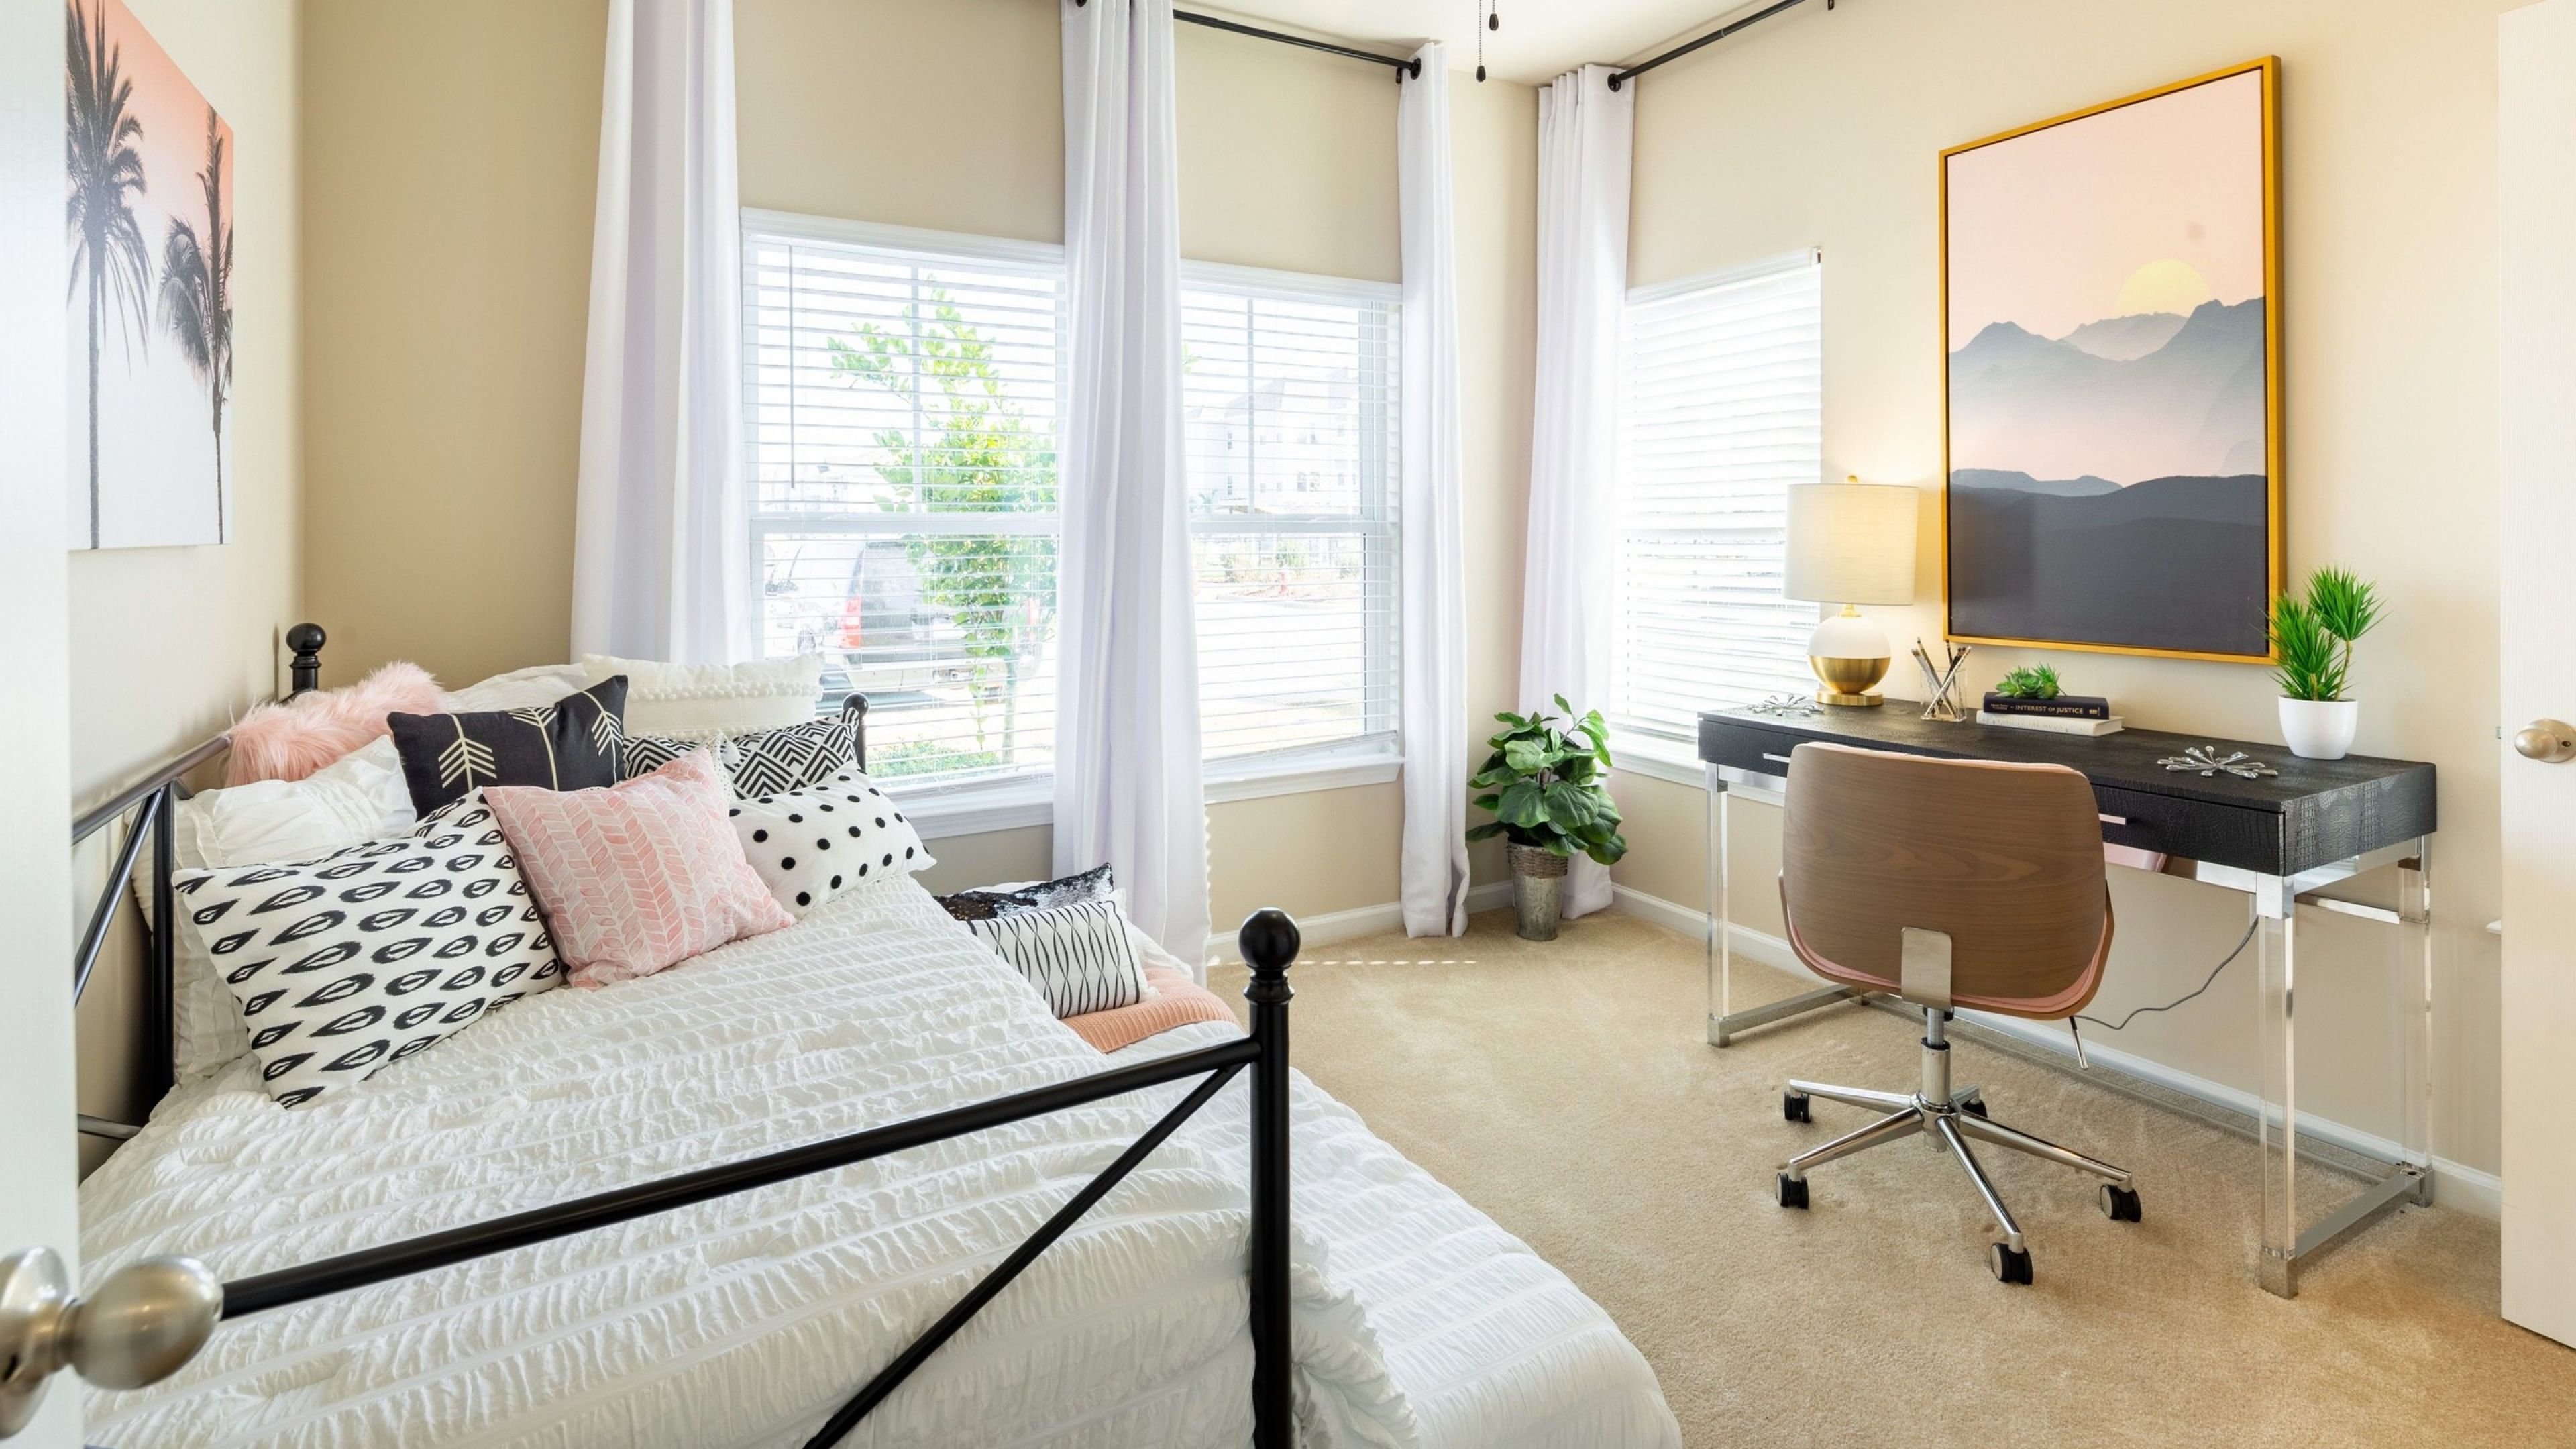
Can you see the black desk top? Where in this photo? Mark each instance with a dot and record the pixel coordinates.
(2321, 810)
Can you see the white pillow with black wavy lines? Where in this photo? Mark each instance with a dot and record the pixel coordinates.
(811, 844)
(344, 965)
(1079, 957)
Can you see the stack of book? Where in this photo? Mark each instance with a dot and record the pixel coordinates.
(2067, 714)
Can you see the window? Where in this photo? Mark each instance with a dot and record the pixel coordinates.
(899, 406)
(1722, 411)
(1289, 394)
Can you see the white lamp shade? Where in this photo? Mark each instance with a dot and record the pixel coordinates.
(1851, 543)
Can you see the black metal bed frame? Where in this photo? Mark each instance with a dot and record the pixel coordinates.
(1268, 940)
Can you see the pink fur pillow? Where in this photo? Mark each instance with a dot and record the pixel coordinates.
(292, 740)
(638, 875)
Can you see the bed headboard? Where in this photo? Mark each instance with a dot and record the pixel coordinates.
(148, 805)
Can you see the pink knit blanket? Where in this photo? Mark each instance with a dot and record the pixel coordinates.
(1173, 1000)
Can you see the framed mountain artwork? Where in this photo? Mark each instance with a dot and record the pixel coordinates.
(149, 214)
(2112, 331)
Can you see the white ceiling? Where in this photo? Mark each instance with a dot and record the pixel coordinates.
(1539, 39)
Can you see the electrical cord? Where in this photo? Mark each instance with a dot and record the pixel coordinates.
(2241, 944)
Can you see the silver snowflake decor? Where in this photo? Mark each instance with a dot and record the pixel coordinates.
(2205, 761)
(1785, 706)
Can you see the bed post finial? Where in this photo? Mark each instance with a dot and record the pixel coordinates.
(304, 671)
(1269, 943)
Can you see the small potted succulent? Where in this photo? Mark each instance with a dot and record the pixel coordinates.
(2031, 681)
(1544, 784)
(2312, 639)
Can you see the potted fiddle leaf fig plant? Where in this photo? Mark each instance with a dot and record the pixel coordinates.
(2312, 639)
(1545, 785)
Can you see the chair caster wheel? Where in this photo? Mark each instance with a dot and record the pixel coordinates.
(2008, 1265)
(1793, 1107)
(2119, 1204)
(1792, 1193)
(1976, 1105)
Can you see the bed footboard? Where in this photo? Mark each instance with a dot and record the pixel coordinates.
(187, 1304)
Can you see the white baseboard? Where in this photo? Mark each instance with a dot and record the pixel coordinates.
(2454, 1185)
(1330, 927)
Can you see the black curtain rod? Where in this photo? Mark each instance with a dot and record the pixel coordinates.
(1620, 78)
(1404, 67)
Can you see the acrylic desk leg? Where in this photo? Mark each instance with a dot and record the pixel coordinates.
(1721, 956)
(2277, 930)
(2415, 1011)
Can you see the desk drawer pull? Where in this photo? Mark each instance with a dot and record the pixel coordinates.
(1783, 759)
(2115, 819)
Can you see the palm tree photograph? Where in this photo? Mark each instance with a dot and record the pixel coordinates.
(151, 352)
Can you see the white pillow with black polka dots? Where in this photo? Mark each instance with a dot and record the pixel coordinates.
(813, 842)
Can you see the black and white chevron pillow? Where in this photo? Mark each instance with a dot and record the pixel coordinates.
(370, 955)
(761, 762)
(1079, 957)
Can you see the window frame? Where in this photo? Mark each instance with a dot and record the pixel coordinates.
(1376, 755)
(955, 807)
(1026, 798)
(1654, 754)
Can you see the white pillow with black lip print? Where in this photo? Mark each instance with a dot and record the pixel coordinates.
(372, 954)
(811, 843)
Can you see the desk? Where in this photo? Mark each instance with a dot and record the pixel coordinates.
(2280, 840)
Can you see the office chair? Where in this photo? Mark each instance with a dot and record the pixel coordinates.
(1948, 883)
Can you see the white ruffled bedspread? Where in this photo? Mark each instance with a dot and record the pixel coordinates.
(1418, 1321)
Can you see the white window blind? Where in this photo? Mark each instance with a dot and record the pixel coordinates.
(1290, 398)
(900, 408)
(1722, 405)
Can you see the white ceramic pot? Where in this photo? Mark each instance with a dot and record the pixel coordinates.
(2319, 729)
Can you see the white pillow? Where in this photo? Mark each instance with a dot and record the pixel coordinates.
(811, 843)
(529, 688)
(702, 702)
(359, 797)
(1079, 957)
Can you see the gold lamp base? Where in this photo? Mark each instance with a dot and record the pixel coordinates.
(1849, 683)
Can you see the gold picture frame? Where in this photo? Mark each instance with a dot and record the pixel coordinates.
(2201, 625)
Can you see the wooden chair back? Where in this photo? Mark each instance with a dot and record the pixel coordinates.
(2004, 859)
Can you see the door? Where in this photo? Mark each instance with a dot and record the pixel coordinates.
(2536, 184)
(39, 1162)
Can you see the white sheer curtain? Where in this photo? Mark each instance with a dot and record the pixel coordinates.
(1434, 627)
(661, 549)
(1584, 134)
(1127, 782)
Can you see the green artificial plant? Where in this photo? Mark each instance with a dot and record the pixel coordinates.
(2312, 637)
(2031, 681)
(1544, 785)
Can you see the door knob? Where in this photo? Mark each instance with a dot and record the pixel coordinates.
(145, 1321)
(2550, 741)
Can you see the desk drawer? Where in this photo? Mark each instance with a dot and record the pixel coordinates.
(1746, 747)
(2193, 829)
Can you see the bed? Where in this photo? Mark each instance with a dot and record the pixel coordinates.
(746, 1320)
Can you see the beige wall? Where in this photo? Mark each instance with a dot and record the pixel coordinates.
(450, 168)
(168, 644)
(1831, 123)
(449, 165)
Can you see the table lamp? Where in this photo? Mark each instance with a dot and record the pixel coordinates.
(1850, 543)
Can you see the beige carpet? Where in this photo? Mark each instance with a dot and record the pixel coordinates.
(1568, 1090)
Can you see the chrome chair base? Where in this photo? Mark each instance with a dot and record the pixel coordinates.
(1952, 1118)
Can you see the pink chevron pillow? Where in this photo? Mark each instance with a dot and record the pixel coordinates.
(639, 875)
